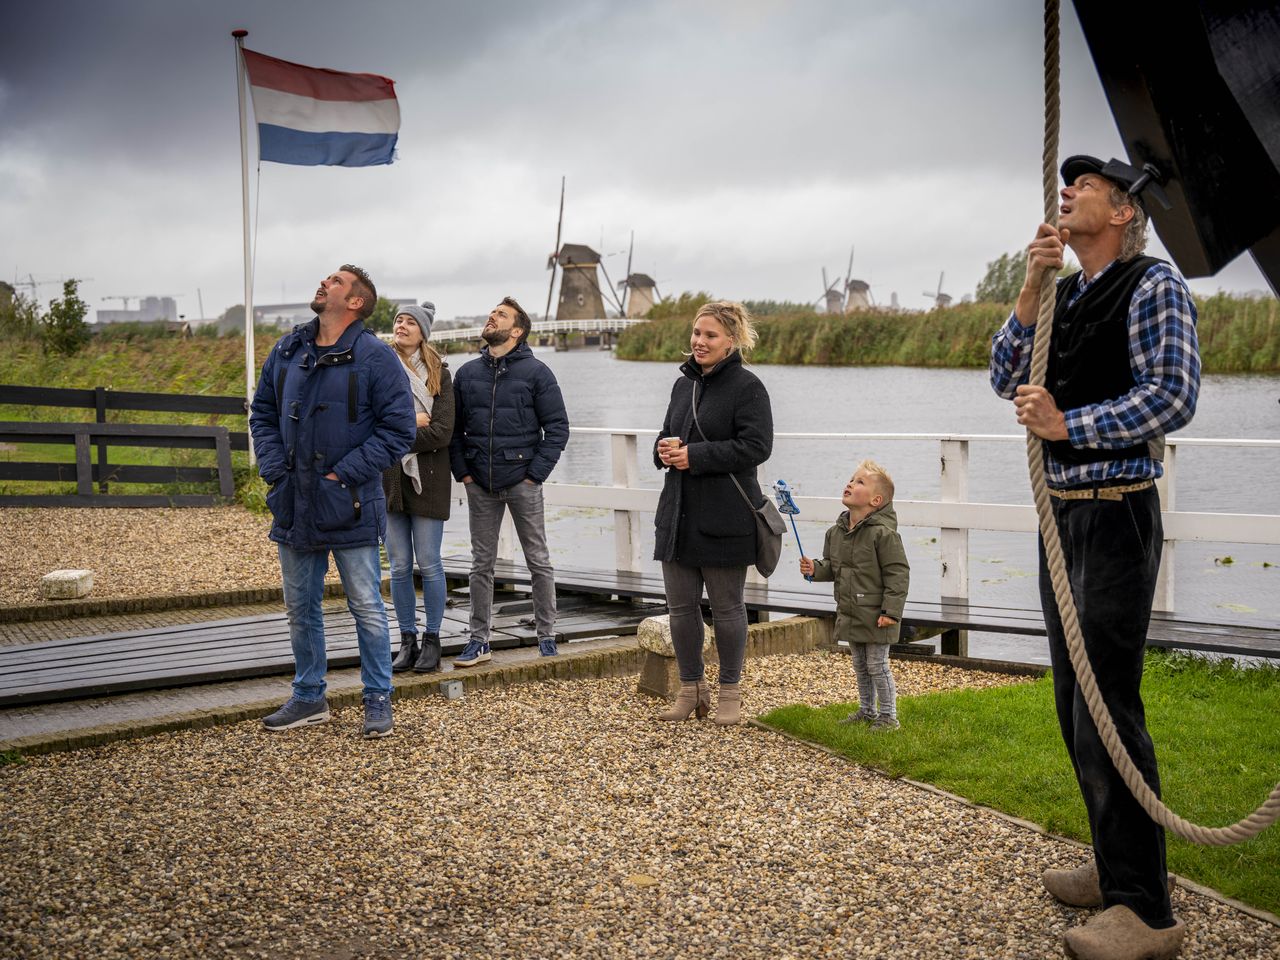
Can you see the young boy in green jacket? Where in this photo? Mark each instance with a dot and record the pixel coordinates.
(863, 555)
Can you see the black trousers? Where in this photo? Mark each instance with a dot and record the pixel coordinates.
(1112, 552)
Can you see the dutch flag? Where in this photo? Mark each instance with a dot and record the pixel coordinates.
(311, 116)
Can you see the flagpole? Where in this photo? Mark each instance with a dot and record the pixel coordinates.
(250, 368)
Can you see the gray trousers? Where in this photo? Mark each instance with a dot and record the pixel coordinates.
(524, 500)
(728, 616)
(877, 693)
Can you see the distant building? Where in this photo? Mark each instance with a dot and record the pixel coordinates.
(288, 315)
(149, 308)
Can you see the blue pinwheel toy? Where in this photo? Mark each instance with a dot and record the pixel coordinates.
(787, 506)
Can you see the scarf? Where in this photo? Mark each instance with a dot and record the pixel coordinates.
(423, 402)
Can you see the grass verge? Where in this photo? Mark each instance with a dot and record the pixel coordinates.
(1216, 736)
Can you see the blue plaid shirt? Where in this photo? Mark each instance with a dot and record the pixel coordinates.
(1165, 359)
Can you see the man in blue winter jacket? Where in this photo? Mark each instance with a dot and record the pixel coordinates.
(333, 409)
(509, 431)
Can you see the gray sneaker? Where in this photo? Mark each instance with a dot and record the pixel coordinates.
(862, 716)
(297, 713)
(883, 723)
(377, 716)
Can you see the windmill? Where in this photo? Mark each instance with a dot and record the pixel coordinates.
(857, 293)
(831, 294)
(940, 300)
(581, 294)
(639, 290)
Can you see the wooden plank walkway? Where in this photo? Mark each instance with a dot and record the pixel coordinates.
(588, 607)
(257, 646)
(1233, 639)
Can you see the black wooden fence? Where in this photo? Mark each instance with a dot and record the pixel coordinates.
(103, 435)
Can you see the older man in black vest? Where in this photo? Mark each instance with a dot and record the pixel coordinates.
(1123, 371)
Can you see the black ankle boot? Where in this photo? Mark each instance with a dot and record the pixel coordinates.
(408, 653)
(429, 659)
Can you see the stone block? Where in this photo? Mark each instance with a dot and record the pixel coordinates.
(66, 584)
(654, 634)
(451, 689)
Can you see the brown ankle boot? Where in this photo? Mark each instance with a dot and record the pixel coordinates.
(729, 707)
(694, 699)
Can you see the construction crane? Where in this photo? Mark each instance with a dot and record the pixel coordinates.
(32, 284)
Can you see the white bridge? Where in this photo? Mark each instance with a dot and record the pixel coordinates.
(544, 327)
(953, 515)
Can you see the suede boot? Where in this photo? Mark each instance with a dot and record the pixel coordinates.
(729, 706)
(1119, 934)
(1078, 887)
(694, 699)
(429, 659)
(408, 653)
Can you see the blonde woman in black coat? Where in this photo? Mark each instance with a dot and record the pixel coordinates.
(706, 533)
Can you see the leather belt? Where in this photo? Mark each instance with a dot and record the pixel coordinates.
(1115, 492)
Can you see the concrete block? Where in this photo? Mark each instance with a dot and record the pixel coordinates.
(66, 584)
(451, 689)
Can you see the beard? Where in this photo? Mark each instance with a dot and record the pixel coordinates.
(317, 307)
(496, 338)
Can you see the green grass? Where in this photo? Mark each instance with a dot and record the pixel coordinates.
(1216, 734)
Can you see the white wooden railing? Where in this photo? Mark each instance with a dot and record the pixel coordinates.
(545, 326)
(953, 513)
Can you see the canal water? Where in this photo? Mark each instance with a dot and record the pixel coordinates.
(1218, 582)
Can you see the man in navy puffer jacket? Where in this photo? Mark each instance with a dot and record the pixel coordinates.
(333, 409)
(508, 433)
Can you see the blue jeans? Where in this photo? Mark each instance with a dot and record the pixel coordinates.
(410, 536)
(302, 572)
(524, 500)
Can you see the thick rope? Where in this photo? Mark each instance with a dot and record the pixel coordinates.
(1269, 811)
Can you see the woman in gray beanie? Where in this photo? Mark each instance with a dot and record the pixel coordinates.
(417, 489)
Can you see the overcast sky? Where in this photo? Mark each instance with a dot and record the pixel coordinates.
(748, 143)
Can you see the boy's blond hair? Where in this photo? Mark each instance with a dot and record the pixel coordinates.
(884, 482)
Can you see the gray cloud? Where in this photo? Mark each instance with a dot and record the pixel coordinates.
(746, 144)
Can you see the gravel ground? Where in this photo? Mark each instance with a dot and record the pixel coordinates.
(136, 553)
(552, 820)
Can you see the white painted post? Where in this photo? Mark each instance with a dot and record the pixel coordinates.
(1164, 579)
(626, 523)
(955, 540)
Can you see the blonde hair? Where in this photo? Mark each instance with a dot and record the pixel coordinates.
(433, 362)
(1134, 240)
(735, 319)
(884, 482)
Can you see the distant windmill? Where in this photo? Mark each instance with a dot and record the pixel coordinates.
(639, 290)
(857, 293)
(940, 300)
(581, 294)
(831, 295)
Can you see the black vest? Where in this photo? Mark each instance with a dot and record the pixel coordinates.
(1089, 355)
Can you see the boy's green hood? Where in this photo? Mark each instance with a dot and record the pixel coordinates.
(885, 516)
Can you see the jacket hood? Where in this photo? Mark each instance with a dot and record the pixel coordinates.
(691, 369)
(886, 516)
